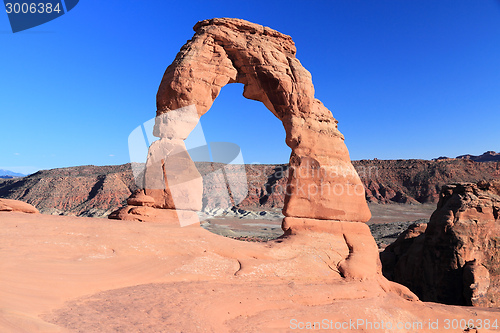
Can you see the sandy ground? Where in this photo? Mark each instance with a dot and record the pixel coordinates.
(67, 274)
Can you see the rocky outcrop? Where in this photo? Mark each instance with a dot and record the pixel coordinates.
(455, 260)
(8, 205)
(407, 248)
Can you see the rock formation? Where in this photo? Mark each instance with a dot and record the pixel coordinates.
(322, 183)
(324, 192)
(8, 205)
(455, 259)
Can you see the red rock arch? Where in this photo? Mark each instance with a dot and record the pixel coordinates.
(323, 184)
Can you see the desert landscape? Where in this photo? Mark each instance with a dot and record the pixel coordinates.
(322, 243)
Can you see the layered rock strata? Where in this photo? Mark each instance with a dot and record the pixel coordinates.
(97, 191)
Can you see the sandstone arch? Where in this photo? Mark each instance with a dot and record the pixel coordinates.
(325, 198)
(323, 184)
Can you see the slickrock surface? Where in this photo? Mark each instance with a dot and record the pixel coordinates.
(94, 275)
(455, 258)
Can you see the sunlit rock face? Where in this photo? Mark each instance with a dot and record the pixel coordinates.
(322, 182)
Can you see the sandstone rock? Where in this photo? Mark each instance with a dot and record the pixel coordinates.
(149, 214)
(5, 208)
(476, 283)
(8, 205)
(322, 184)
(405, 250)
(176, 124)
(456, 260)
(140, 199)
(361, 260)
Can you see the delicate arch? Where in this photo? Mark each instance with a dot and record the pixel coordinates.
(323, 184)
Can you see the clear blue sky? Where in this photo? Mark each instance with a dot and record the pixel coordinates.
(405, 78)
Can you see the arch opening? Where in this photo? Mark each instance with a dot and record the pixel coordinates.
(261, 138)
(247, 123)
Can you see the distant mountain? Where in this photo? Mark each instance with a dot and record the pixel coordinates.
(489, 156)
(10, 174)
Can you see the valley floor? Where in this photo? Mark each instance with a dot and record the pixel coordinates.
(387, 222)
